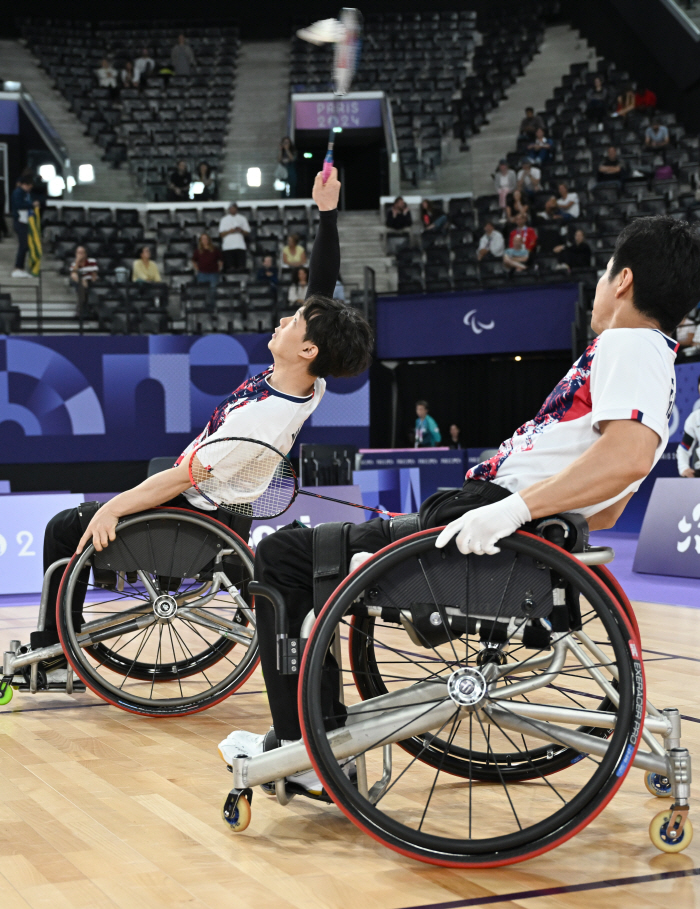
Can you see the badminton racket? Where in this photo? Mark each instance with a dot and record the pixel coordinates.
(251, 478)
(346, 53)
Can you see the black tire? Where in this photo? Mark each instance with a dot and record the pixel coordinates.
(488, 823)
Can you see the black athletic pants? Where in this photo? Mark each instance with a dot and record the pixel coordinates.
(61, 537)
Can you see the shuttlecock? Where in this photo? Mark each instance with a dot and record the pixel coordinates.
(325, 31)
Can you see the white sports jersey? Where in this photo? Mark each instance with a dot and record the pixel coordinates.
(255, 410)
(625, 374)
(688, 452)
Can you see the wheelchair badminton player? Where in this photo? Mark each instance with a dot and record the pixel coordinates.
(324, 337)
(595, 438)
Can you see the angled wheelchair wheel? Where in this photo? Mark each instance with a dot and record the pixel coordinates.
(176, 634)
(488, 669)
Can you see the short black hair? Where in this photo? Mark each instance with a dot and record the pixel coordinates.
(422, 404)
(342, 335)
(530, 108)
(664, 257)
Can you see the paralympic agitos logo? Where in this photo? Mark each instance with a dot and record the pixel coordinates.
(685, 527)
(476, 326)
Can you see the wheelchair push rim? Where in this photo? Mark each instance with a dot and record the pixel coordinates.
(170, 645)
(432, 817)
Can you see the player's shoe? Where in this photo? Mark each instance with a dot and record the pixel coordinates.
(20, 273)
(325, 31)
(242, 744)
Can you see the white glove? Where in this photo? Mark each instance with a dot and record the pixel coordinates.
(479, 530)
(358, 559)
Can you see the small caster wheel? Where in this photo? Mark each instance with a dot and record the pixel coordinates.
(658, 785)
(658, 833)
(6, 695)
(236, 811)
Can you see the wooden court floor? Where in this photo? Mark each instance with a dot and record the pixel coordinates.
(100, 808)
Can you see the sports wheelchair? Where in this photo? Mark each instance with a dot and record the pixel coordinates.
(168, 625)
(493, 705)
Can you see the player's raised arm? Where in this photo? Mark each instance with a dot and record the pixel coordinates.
(324, 266)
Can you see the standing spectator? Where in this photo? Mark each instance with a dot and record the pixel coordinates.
(293, 255)
(528, 178)
(516, 256)
(565, 208)
(83, 272)
(207, 263)
(143, 67)
(297, 291)
(597, 101)
(144, 268)
(205, 175)
(179, 183)
(453, 441)
(527, 234)
(504, 181)
(127, 76)
(611, 169)
(288, 160)
(541, 149)
(233, 229)
(427, 432)
(656, 136)
(399, 215)
(491, 245)
(267, 273)
(107, 78)
(22, 205)
(574, 255)
(530, 124)
(182, 58)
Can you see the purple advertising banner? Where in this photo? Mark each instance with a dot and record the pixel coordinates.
(670, 539)
(9, 118)
(361, 113)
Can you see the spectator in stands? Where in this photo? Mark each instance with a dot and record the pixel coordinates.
(205, 175)
(528, 178)
(83, 272)
(566, 208)
(453, 442)
(297, 291)
(516, 256)
(22, 205)
(626, 102)
(143, 67)
(491, 245)
(233, 229)
(516, 203)
(434, 221)
(528, 235)
(127, 77)
(611, 169)
(656, 136)
(504, 181)
(182, 57)
(574, 255)
(293, 255)
(267, 273)
(207, 263)
(427, 433)
(144, 268)
(399, 216)
(530, 124)
(645, 100)
(288, 160)
(107, 78)
(541, 149)
(598, 101)
(165, 72)
(179, 183)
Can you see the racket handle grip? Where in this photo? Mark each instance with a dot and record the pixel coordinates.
(327, 166)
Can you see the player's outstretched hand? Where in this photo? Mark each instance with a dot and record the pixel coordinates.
(326, 195)
(478, 531)
(101, 530)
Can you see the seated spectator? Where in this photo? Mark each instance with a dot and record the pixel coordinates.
(491, 245)
(165, 72)
(233, 229)
(293, 255)
(516, 256)
(297, 291)
(656, 136)
(515, 204)
(127, 77)
(207, 263)
(527, 234)
(83, 272)
(179, 183)
(541, 149)
(267, 273)
(144, 268)
(504, 181)
(205, 175)
(399, 216)
(598, 101)
(626, 102)
(143, 67)
(565, 208)
(431, 220)
(182, 57)
(645, 100)
(611, 169)
(530, 124)
(107, 78)
(574, 255)
(528, 178)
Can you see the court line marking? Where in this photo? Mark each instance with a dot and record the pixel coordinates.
(553, 891)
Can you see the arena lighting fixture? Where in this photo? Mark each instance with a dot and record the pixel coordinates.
(56, 185)
(517, 359)
(86, 173)
(70, 183)
(254, 176)
(8, 86)
(337, 129)
(47, 172)
(279, 186)
(196, 188)
(308, 155)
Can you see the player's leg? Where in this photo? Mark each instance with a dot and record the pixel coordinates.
(61, 537)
